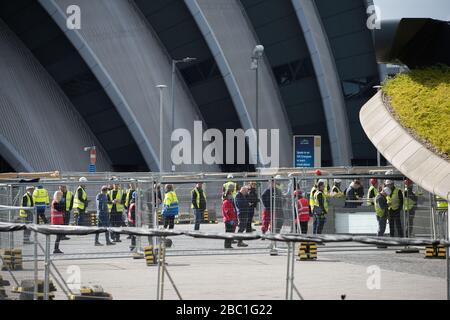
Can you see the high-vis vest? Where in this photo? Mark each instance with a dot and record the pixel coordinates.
(325, 200)
(336, 192)
(119, 206)
(226, 187)
(394, 199)
(68, 200)
(28, 203)
(40, 198)
(311, 196)
(408, 204)
(197, 193)
(128, 197)
(441, 204)
(379, 211)
(170, 204)
(77, 204)
(370, 201)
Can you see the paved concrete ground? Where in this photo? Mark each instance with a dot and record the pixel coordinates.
(213, 273)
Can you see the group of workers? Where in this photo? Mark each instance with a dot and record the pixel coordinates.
(111, 205)
(238, 206)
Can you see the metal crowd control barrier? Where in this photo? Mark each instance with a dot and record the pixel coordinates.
(290, 239)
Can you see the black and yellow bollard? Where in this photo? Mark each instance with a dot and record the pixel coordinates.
(150, 256)
(307, 251)
(435, 251)
(12, 260)
(26, 290)
(91, 293)
(94, 219)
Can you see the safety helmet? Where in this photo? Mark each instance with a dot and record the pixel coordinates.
(278, 177)
(337, 180)
(297, 193)
(408, 182)
(318, 172)
(230, 176)
(387, 191)
(82, 179)
(373, 181)
(29, 187)
(388, 182)
(324, 181)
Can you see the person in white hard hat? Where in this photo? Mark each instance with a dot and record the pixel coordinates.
(336, 190)
(80, 202)
(382, 209)
(395, 202)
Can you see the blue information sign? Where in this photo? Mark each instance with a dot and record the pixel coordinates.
(304, 151)
(92, 168)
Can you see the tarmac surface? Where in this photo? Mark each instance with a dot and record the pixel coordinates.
(201, 269)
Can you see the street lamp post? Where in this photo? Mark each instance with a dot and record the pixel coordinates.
(172, 94)
(258, 52)
(161, 120)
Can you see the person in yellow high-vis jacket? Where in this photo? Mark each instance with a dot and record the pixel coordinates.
(80, 203)
(27, 215)
(198, 204)
(41, 202)
(170, 207)
(441, 212)
(395, 203)
(320, 210)
(116, 200)
(409, 206)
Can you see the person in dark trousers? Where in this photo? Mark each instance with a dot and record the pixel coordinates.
(243, 210)
(57, 217)
(352, 194)
(320, 210)
(41, 202)
(395, 202)
(67, 201)
(229, 216)
(80, 202)
(198, 204)
(170, 207)
(103, 215)
(27, 215)
(410, 205)
(272, 206)
(116, 200)
(132, 218)
(303, 214)
(382, 210)
(253, 201)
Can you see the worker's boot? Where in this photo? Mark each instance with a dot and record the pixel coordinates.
(242, 244)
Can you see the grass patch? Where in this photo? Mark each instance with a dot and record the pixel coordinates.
(420, 100)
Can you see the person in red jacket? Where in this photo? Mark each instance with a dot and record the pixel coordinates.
(229, 216)
(304, 212)
(57, 217)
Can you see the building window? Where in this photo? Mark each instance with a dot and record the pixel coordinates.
(359, 87)
(293, 71)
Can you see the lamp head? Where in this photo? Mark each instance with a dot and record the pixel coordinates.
(258, 51)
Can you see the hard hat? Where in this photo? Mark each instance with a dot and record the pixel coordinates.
(388, 182)
(104, 188)
(324, 181)
(373, 181)
(337, 180)
(278, 177)
(82, 179)
(408, 182)
(133, 196)
(387, 191)
(29, 187)
(230, 176)
(390, 171)
(318, 172)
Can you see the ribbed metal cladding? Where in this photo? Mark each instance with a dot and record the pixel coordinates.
(129, 62)
(39, 128)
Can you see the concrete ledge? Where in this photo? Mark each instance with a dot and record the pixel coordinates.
(401, 149)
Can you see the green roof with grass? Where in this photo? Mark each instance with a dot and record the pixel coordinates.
(420, 100)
